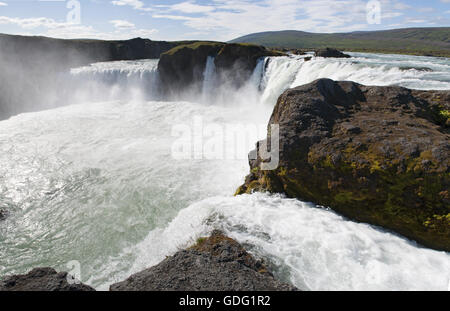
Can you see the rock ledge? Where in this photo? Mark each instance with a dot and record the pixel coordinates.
(217, 263)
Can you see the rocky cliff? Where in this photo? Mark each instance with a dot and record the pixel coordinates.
(374, 154)
(181, 69)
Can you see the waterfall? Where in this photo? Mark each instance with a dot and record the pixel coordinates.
(209, 78)
(423, 73)
(258, 72)
(118, 80)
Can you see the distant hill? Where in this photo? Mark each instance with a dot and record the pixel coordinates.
(416, 41)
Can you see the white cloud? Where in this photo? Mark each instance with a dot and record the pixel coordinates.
(227, 19)
(122, 24)
(52, 28)
(30, 23)
(3, 4)
(415, 21)
(135, 4)
(190, 7)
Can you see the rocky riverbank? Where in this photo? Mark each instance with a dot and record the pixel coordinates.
(374, 154)
(216, 263)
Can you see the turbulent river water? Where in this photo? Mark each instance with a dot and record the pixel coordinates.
(96, 188)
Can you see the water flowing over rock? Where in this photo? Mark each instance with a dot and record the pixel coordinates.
(183, 67)
(375, 154)
(216, 263)
(42, 279)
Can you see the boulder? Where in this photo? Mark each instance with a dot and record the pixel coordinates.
(42, 279)
(217, 263)
(330, 52)
(374, 154)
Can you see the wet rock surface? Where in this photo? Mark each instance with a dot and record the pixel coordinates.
(42, 279)
(216, 263)
(374, 154)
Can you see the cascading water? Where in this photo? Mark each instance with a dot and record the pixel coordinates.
(117, 80)
(209, 78)
(96, 182)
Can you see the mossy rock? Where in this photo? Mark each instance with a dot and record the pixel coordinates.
(374, 154)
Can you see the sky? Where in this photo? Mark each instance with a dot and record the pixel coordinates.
(220, 20)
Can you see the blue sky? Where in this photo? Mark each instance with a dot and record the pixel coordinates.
(213, 19)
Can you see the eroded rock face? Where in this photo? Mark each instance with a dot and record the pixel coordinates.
(330, 52)
(216, 263)
(374, 154)
(236, 62)
(182, 67)
(42, 279)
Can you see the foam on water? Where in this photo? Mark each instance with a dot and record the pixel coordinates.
(312, 247)
(96, 182)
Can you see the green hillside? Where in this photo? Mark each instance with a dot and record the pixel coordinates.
(416, 41)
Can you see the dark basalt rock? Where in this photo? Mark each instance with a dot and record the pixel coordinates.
(182, 67)
(216, 263)
(236, 62)
(330, 52)
(374, 154)
(42, 279)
